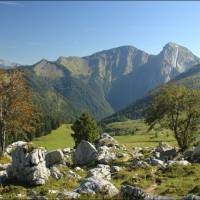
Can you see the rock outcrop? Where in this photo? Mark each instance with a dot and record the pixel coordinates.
(85, 153)
(54, 157)
(28, 165)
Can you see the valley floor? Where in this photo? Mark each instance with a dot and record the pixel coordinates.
(176, 181)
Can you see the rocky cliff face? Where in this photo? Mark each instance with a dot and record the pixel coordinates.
(117, 76)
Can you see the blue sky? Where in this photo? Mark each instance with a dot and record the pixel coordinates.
(31, 31)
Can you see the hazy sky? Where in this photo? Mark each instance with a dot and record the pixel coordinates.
(31, 31)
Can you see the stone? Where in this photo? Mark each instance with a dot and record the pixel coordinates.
(85, 153)
(115, 169)
(28, 165)
(72, 174)
(95, 185)
(106, 140)
(55, 173)
(135, 193)
(54, 157)
(191, 197)
(53, 191)
(179, 162)
(155, 162)
(105, 156)
(165, 152)
(12, 146)
(4, 166)
(66, 150)
(195, 157)
(3, 176)
(101, 171)
(140, 163)
(78, 169)
(68, 195)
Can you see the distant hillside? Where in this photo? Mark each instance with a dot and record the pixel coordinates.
(190, 79)
(5, 64)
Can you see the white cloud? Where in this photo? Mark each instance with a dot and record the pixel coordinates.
(11, 3)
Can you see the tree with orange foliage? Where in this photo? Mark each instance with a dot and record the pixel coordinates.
(16, 108)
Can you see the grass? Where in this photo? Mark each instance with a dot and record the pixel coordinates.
(145, 140)
(4, 160)
(59, 138)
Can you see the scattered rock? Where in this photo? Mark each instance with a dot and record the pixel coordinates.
(54, 157)
(66, 150)
(105, 156)
(3, 176)
(96, 185)
(28, 165)
(153, 161)
(140, 163)
(191, 197)
(68, 195)
(72, 174)
(12, 146)
(85, 153)
(53, 191)
(134, 193)
(55, 173)
(78, 169)
(179, 162)
(4, 166)
(101, 171)
(106, 140)
(115, 169)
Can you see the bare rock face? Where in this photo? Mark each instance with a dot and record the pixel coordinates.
(54, 157)
(85, 153)
(28, 165)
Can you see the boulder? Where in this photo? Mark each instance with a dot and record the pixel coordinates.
(134, 193)
(95, 185)
(67, 150)
(55, 173)
(85, 153)
(115, 169)
(12, 146)
(28, 165)
(140, 163)
(54, 157)
(195, 157)
(105, 156)
(155, 162)
(179, 162)
(165, 152)
(106, 140)
(3, 176)
(101, 171)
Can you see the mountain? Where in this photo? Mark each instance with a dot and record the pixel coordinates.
(72, 95)
(103, 82)
(190, 79)
(124, 74)
(4, 64)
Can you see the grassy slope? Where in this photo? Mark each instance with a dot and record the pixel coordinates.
(59, 138)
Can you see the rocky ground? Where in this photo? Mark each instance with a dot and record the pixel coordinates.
(105, 170)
